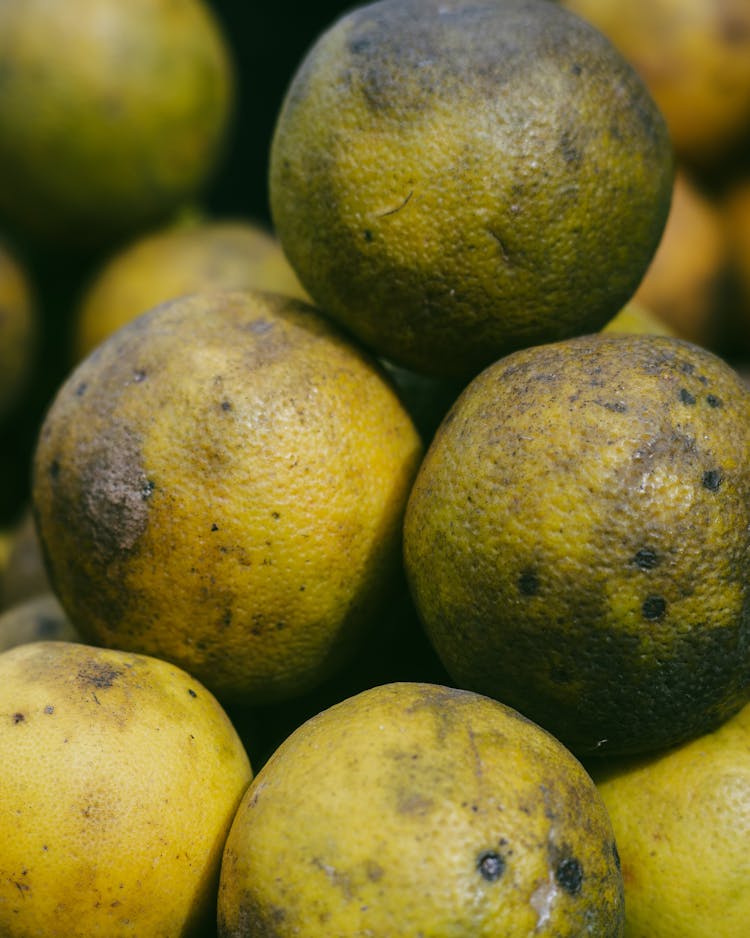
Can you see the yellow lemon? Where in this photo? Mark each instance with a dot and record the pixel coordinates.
(578, 539)
(419, 810)
(120, 775)
(182, 258)
(682, 822)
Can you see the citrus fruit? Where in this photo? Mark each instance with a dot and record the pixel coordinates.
(635, 317)
(577, 539)
(18, 329)
(682, 822)
(694, 56)
(450, 179)
(685, 282)
(120, 777)
(23, 574)
(221, 483)
(111, 114)
(178, 259)
(419, 810)
(38, 618)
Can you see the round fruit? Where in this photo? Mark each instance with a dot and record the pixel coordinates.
(111, 114)
(414, 809)
(682, 820)
(454, 180)
(686, 280)
(18, 329)
(119, 778)
(634, 317)
(694, 56)
(221, 483)
(578, 539)
(180, 259)
(38, 618)
(23, 574)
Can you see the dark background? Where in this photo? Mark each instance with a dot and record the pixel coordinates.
(268, 45)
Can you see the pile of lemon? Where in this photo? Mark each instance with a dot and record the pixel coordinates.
(386, 573)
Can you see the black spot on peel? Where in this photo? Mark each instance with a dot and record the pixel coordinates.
(491, 865)
(192, 692)
(714, 401)
(81, 389)
(653, 608)
(686, 397)
(712, 480)
(18, 718)
(569, 875)
(646, 559)
(54, 470)
(528, 583)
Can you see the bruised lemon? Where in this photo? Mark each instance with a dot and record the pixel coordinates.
(577, 539)
(120, 775)
(454, 180)
(416, 809)
(221, 483)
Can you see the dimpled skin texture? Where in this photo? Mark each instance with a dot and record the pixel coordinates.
(222, 484)
(456, 180)
(120, 775)
(682, 823)
(421, 811)
(180, 259)
(111, 114)
(577, 539)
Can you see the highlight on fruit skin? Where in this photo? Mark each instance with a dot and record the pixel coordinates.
(452, 181)
(112, 115)
(221, 483)
(577, 540)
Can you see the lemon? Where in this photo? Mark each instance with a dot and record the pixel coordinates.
(19, 329)
(450, 179)
(682, 820)
(175, 260)
(111, 114)
(120, 775)
(421, 811)
(635, 317)
(694, 56)
(38, 618)
(222, 483)
(577, 539)
(22, 575)
(686, 281)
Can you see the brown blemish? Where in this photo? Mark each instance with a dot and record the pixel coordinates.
(98, 674)
(18, 718)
